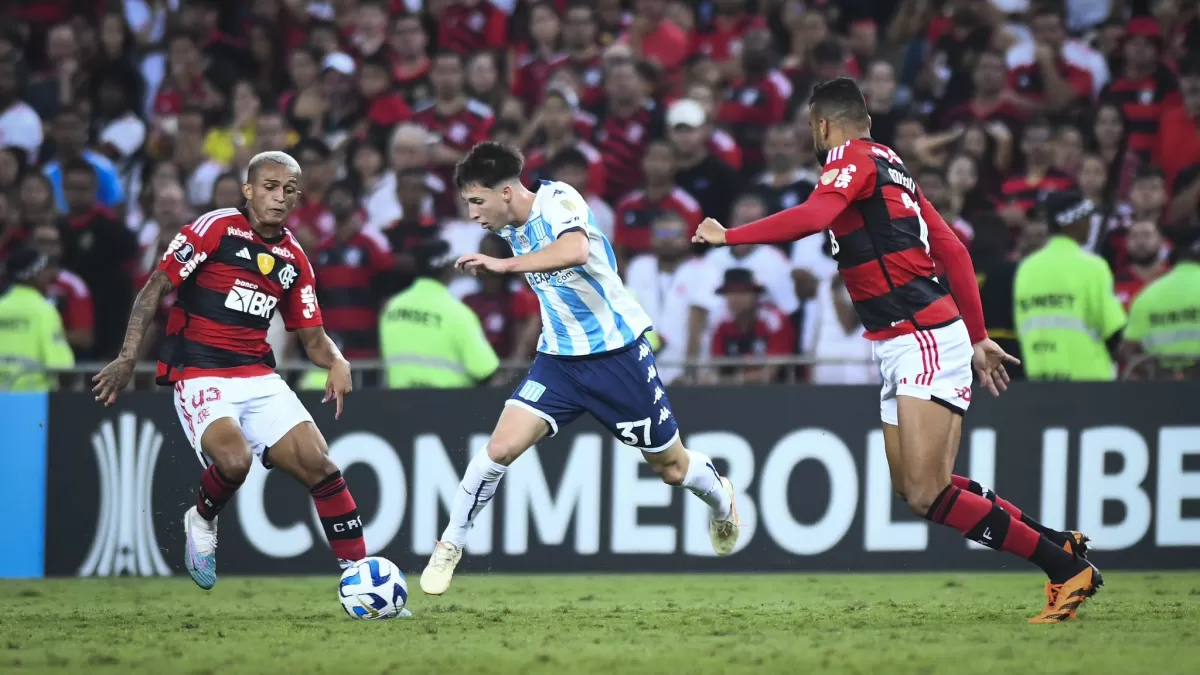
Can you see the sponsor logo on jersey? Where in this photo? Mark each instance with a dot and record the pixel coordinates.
(251, 302)
(192, 265)
(845, 176)
(245, 284)
(828, 176)
(902, 180)
(309, 297)
(244, 234)
(184, 253)
(266, 263)
(283, 252)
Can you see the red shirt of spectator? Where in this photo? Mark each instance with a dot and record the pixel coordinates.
(459, 121)
(752, 105)
(721, 40)
(1178, 144)
(725, 149)
(1146, 88)
(1025, 191)
(636, 213)
(70, 295)
(537, 165)
(660, 41)
(532, 73)
(469, 26)
(1028, 81)
(989, 102)
(753, 329)
(501, 312)
(624, 128)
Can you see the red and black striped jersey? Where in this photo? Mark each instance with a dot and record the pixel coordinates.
(590, 73)
(531, 75)
(750, 108)
(636, 214)
(349, 271)
(622, 142)
(1144, 102)
(1027, 81)
(881, 243)
(230, 281)
(469, 26)
(1022, 193)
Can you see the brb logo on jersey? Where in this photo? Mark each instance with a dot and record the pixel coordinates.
(254, 303)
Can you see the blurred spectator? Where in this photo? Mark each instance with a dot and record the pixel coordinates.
(304, 103)
(1110, 139)
(101, 251)
(70, 145)
(457, 121)
(719, 142)
(991, 100)
(62, 79)
(1068, 149)
(120, 131)
(197, 172)
(654, 37)
(752, 328)
(574, 168)
(410, 61)
(169, 212)
(543, 57)
(20, 125)
(67, 292)
(766, 263)
(677, 289)
(756, 100)
(837, 336)
(626, 121)
(721, 37)
(469, 26)
(507, 309)
(1047, 81)
(583, 54)
(412, 230)
(36, 203)
(1178, 144)
(351, 268)
(410, 149)
(637, 211)
(345, 109)
(787, 181)
(996, 271)
(1145, 86)
(1147, 258)
(1019, 193)
(312, 221)
(713, 183)
(880, 90)
(555, 126)
(12, 168)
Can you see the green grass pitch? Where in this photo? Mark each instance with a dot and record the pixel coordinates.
(924, 624)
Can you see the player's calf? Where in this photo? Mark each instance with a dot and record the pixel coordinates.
(303, 454)
(223, 443)
(695, 472)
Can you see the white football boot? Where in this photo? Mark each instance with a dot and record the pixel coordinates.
(725, 533)
(201, 548)
(440, 570)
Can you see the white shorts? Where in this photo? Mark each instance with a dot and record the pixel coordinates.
(929, 364)
(264, 407)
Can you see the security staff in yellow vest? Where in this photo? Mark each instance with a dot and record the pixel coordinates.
(31, 331)
(1068, 318)
(428, 337)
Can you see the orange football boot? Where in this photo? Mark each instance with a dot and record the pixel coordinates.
(1063, 600)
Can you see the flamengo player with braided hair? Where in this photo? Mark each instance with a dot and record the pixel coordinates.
(233, 268)
(886, 238)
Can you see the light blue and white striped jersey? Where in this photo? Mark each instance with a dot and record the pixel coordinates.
(585, 309)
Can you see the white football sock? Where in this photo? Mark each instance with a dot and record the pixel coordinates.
(478, 485)
(702, 479)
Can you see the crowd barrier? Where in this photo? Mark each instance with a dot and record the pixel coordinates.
(101, 491)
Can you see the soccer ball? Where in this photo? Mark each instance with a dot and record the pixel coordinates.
(373, 588)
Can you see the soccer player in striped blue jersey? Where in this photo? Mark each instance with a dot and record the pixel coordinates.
(593, 356)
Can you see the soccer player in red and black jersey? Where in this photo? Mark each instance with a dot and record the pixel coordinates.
(886, 238)
(233, 268)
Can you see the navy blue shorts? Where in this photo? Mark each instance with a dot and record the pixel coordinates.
(620, 389)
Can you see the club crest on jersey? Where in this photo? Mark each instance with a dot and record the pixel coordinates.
(287, 276)
(266, 263)
(828, 176)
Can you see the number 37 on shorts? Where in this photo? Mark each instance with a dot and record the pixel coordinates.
(621, 390)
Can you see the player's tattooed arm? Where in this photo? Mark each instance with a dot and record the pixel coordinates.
(325, 354)
(110, 381)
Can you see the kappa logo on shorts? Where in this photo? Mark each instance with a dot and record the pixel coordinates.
(658, 394)
(643, 351)
(531, 391)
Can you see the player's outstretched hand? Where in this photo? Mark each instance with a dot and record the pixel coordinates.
(709, 232)
(989, 362)
(337, 385)
(110, 381)
(474, 263)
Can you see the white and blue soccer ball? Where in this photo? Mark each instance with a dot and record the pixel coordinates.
(373, 588)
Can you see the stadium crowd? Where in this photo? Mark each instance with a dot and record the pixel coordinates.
(122, 120)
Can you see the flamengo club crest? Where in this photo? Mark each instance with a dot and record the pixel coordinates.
(125, 543)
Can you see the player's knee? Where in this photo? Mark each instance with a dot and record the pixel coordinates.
(503, 451)
(921, 498)
(234, 464)
(671, 472)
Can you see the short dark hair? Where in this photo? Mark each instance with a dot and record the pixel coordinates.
(829, 52)
(447, 53)
(1146, 172)
(347, 186)
(839, 100)
(568, 158)
(312, 145)
(413, 173)
(489, 164)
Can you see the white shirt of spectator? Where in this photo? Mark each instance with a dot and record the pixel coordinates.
(769, 267)
(20, 127)
(199, 185)
(668, 298)
(383, 208)
(829, 341)
(602, 216)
